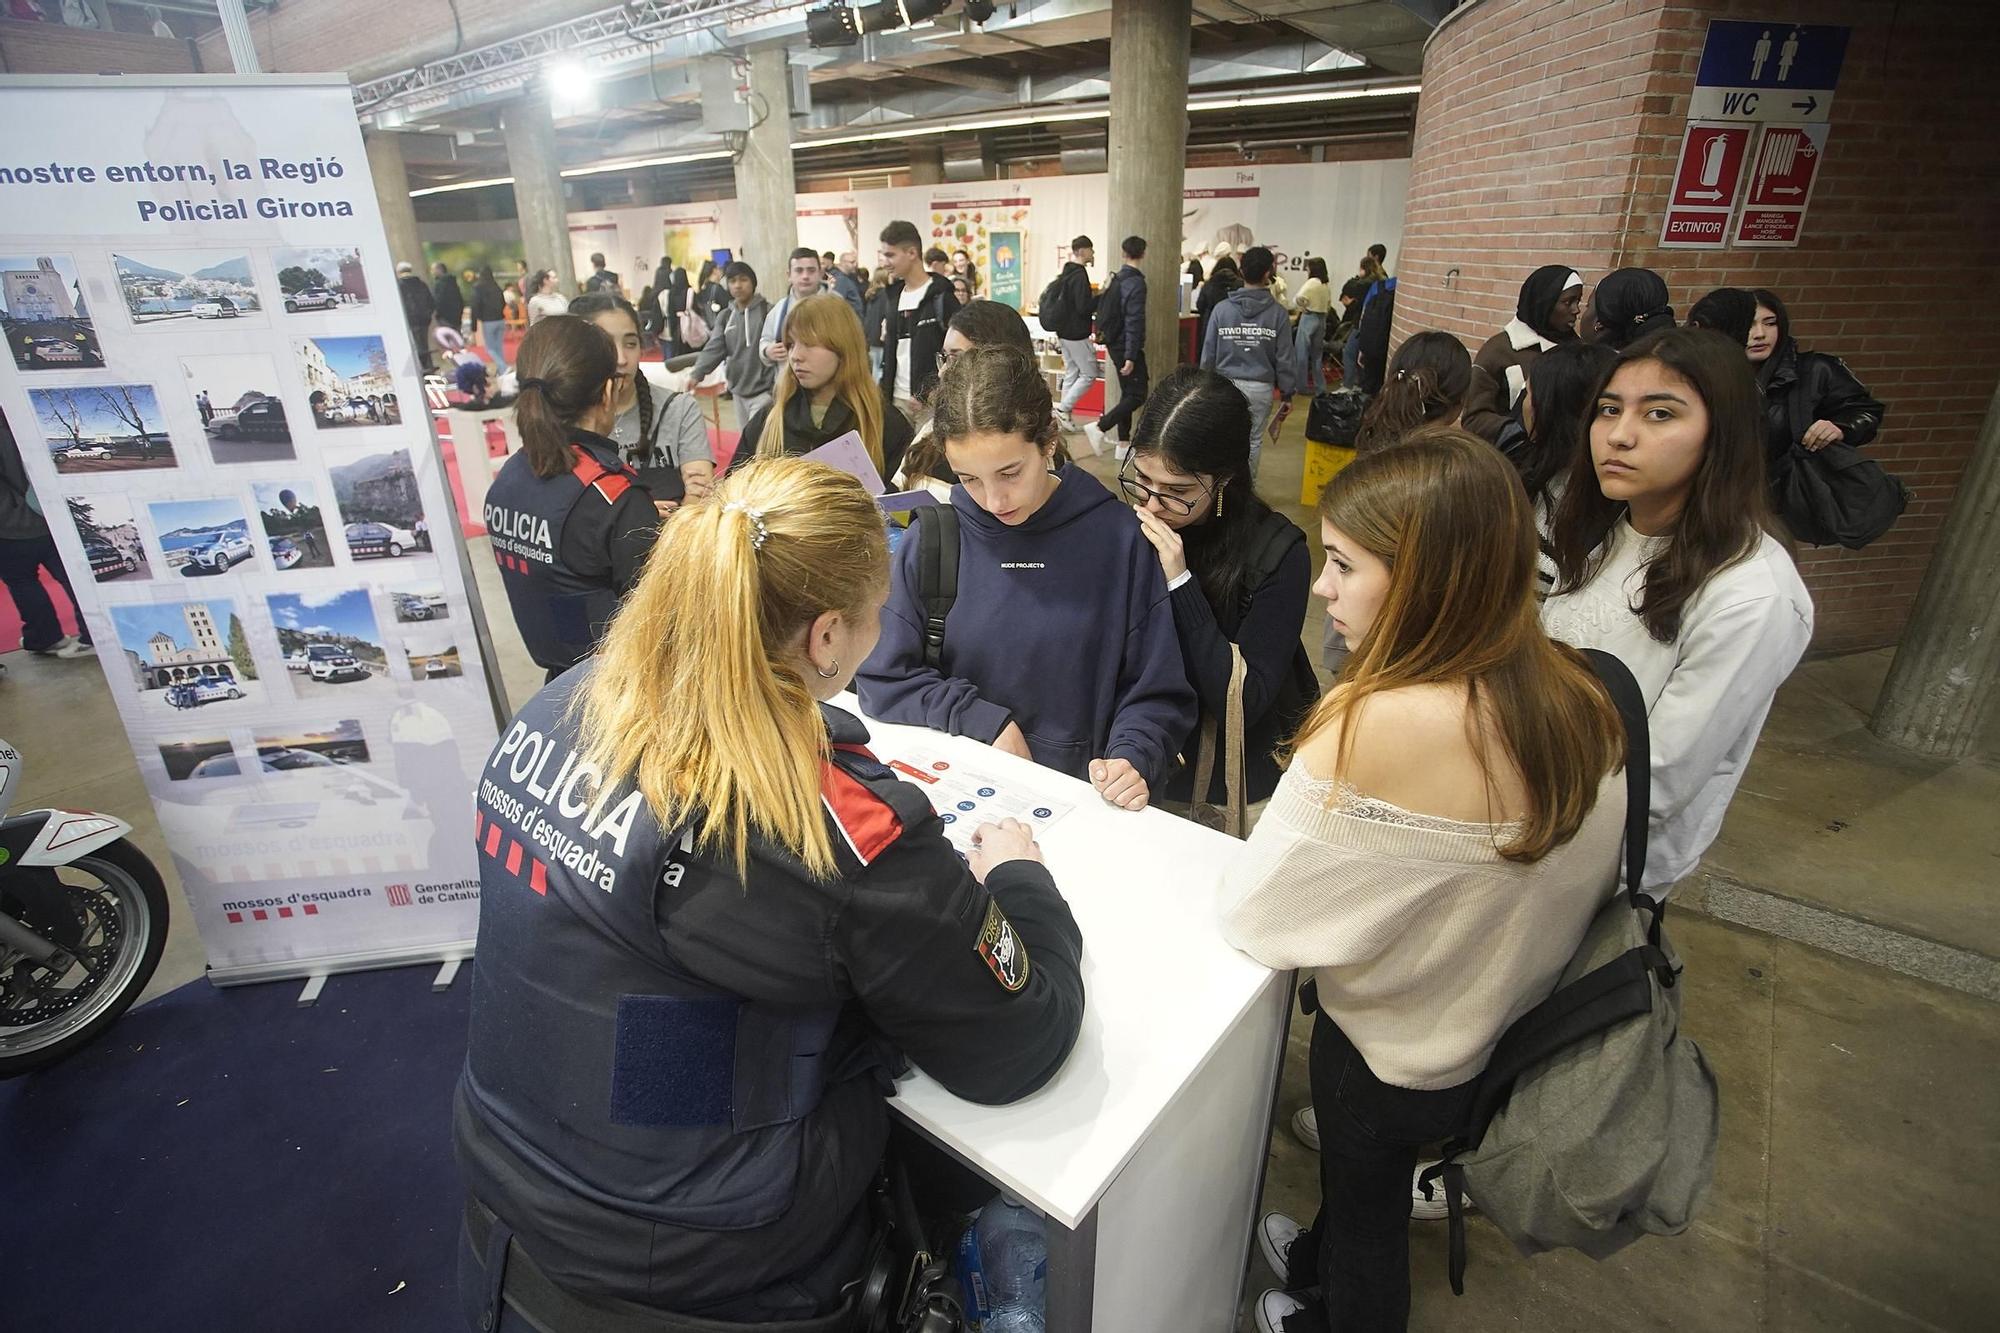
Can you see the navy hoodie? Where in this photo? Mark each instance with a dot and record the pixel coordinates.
(1062, 625)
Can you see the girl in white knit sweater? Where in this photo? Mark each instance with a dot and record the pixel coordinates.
(1664, 559)
(1448, 825)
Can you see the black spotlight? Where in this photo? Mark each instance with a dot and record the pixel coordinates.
(979, 10)
(833, 25)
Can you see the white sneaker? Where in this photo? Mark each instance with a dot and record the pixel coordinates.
(1122, 452)
(1305, 1125)
(1066, 421)
(1093, 437)
(1435, 1208)
(75, 648)
(1273, 1308)
(1275, 1234)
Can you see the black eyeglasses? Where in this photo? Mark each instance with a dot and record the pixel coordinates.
(1139, 492)
(946, 358)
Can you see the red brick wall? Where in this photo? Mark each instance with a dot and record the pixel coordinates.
(1548, 132)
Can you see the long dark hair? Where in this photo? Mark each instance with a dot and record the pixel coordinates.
(1199, 422)
(590, 306)
(983, 324)
(564, 364)
(1726, 513)
(1562, 384)
(995, 389)
(1316, 268)
(1425, 385)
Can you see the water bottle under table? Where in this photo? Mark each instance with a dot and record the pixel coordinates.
(1003, 1266)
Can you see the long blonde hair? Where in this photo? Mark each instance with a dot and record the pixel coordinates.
(696, 697)
(828, 321)
(1450, 518)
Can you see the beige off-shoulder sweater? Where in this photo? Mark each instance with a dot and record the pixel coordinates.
(1425, 941)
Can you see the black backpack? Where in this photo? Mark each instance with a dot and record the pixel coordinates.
(1110, 314)
(937, 574)
(1053, 308)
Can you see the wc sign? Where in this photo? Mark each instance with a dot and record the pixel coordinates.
(1706, 183)
(1765, 71)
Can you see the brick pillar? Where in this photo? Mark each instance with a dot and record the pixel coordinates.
(1548, 133)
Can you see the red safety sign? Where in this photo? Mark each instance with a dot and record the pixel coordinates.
(1705, 186)
(1711, 164)
(1781, 183)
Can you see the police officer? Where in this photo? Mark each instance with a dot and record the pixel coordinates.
(570, 525)
(712, 929)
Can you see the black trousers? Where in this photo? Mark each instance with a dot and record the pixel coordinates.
(21, 561)
(1357, 1251)
(1131, 397)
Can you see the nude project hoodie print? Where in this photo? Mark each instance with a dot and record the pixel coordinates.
(1062, 625)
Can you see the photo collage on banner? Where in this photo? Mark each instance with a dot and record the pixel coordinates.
(218, 407)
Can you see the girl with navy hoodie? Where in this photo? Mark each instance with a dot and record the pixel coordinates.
(1060, 646)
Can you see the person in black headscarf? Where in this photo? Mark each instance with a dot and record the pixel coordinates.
(1544, 317)
(1630, 302)
(1222, 279)
(1729, 311)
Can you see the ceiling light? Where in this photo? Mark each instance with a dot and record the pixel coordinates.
(571, 81)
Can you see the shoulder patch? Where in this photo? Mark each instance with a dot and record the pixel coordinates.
(1006, 957)
(869, 824)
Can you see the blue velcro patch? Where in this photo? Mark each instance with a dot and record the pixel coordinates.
(674, 1062)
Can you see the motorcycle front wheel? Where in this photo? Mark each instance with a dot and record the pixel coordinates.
(120, 906)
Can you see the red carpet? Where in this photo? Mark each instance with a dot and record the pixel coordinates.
(10, 619)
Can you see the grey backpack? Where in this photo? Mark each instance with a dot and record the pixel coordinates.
(1595, 1122)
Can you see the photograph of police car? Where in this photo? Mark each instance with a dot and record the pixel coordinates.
(187, 655)
(322, 277)
(331, 645)
(432, 653)
(423, 602)
(110, 537)
(43, 314)
(202, 537)
(381, 510)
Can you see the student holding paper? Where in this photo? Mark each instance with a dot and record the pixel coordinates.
(1059, 644)
(661, 433)
(826, 390)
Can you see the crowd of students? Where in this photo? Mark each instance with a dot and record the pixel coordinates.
(1441, 824)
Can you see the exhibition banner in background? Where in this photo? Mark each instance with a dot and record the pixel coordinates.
(964, 219)
(216, 399)
(1004, 268)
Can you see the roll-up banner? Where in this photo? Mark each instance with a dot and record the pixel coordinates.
(217, 402)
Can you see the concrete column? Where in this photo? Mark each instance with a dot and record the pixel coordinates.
(926, 164)
(766, 189)
(1941, 686)
(392, 195)
(1148, 151)
(530, 131)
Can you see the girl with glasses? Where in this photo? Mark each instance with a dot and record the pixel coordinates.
(1060, 645)
(1238, 575)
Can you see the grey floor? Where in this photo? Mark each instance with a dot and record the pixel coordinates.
(1854, 1032)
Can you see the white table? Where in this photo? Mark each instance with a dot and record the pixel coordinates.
(1146, 1152)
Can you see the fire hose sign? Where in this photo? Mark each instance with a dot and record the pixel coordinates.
(1706, 184)
(1781, 182)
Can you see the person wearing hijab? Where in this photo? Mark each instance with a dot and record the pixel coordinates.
(1544, 318)
(1729, 311)
(1630, 302)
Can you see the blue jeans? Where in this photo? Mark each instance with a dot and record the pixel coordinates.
(1311, 343)
(1350, 364)
(494, 331)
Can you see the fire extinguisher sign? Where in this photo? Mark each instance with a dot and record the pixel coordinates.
(1707, 183)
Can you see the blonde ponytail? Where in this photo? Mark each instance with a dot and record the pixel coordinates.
(696, 697)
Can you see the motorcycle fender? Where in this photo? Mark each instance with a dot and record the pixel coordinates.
(56, 837)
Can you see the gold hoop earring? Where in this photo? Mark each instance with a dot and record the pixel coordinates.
(1218, 498)
(827, 675)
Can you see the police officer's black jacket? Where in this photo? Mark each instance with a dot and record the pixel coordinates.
(675, 1086)
(569, 546)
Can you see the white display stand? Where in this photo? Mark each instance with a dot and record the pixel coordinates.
(1146, 1152)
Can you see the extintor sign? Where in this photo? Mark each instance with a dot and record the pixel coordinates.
(1706, 185)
